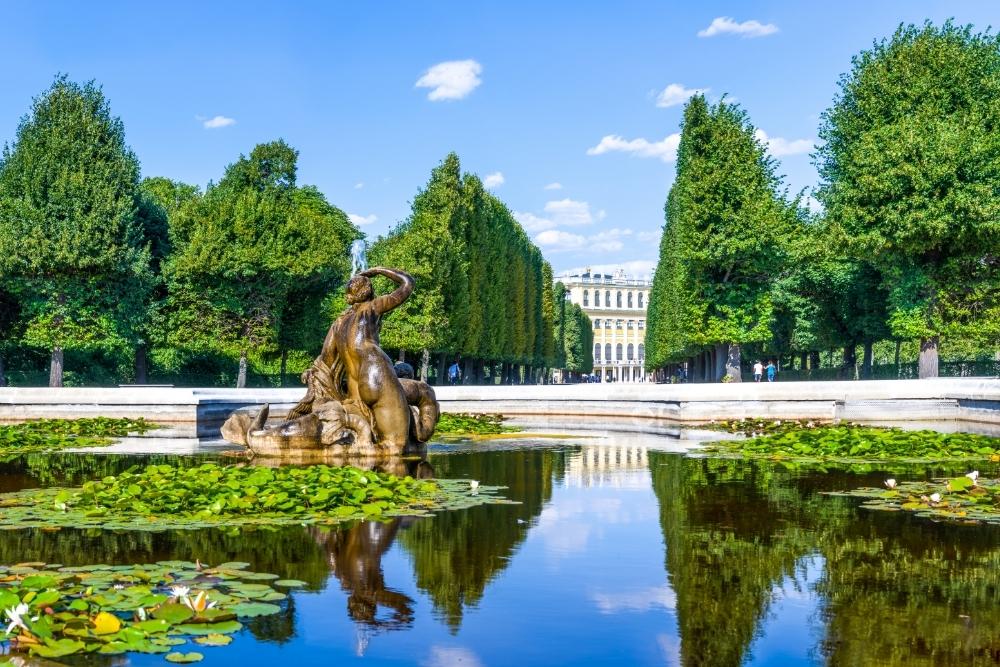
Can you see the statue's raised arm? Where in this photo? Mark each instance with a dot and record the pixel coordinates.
(383, 304)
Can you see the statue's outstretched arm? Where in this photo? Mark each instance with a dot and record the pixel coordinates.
(387, 302)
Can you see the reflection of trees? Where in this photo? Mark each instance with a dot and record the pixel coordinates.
(71, 469)
(896, 589)
(728, 543)
(457, 554)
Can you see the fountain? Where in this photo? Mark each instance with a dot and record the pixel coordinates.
(355, 403)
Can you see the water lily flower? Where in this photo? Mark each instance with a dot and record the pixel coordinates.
(935, 497)
(119, 587)
(179, 591)
(974, 476)
(16, 617)
(474, 485)
(141, 613)
(200, 602)
(890, 483)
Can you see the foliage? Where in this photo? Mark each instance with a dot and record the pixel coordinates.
(724, 241)
(72, 245)
(909, 165)
(472, 424)
(965, 499)
(146, 608)
(163, 497)
(47, 435)
(865, 443)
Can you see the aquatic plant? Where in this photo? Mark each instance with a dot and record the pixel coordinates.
(854, 443)
(966, 498)
(161, 497)
(472, 424)
(47, 435)
(754, 427)
(55, 611)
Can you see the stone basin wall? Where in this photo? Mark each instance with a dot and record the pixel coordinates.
(199, 413)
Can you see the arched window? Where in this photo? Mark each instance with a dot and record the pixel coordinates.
(630, 351)
(642, 351)
(618, 352)
(597, 351)
(607, 299)
(640, 299)
(618, 324)
(597, 324)
(607, 352)
(586, 297)
(619, 299)
(630, 299)
(607, 324)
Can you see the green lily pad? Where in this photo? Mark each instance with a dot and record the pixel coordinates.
(184, 658)
(173, 612)
(290, 583)
(252, 609)
(214, 640)
(225, 627)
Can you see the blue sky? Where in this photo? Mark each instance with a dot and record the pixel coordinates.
(570, 94)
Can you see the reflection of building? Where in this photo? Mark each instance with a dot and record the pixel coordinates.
(602, 465)
(616, 305)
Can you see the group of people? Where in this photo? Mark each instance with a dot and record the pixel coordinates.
(759, 369)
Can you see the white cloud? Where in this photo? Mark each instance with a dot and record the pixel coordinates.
(660, 597)
(675, 94)
(727, 25)
(451, 656)
(359, 185)
(532, 223)
(361, 220)
(493, 180)
(451, 80)
(780, 147)
(609, 241)
(557, 240)
(553, 186)
(665, 150)
(571, 213)
(652, 238)
(641, 268)
(217, 122)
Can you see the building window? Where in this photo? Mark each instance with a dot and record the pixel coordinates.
(630, 299)
(640, 299)
(607, 299)
(597, 324)
(607, 352)
(641, 324)
(619, 299)
(631, 351)
(618, 352)
(607, 324)
(597, 351)
(642, 352)
(586, 298)
(631, 324)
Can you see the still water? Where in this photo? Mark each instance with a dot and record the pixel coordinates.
(616, 555)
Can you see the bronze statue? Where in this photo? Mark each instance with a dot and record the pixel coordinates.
(354, 403)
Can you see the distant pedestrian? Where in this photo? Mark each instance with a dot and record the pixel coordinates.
(771, 371)
(454, 373)
(758, 371)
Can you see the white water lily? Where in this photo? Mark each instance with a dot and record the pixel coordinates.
(141, 613)
(119, 587)
(179, 591)
(974, 476)
(935, 497)
(16, 617)
(474, 487)
(890, 483)
(200, 602)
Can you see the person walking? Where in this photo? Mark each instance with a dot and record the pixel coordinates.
(758, 371)
(454, 373)
(772, 370)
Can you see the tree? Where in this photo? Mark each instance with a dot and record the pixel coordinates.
(910, 169)
(725, 237)
(244, 252)
(71, 243)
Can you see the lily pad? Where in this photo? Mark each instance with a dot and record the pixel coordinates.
(252, 609)
(214, 640)
(184, 658)
(290, 583)
(225, 627)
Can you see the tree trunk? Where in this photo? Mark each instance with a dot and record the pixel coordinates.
(468, 375)
(734, 363)
(866, 362)
(56, 367)
(3, 373)
(283, 370)
(803, 362)
(929, 357)
(848, 369)
(442, 370)
(241, 379)
(898, 344)
(721, 358)
(402, 355)
(814, 362)
(425, 362)
(141, 375)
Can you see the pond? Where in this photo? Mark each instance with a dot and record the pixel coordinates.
(617, 554)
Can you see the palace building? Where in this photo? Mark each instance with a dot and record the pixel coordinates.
(616, 305)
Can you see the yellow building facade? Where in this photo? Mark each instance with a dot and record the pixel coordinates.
(616, 305)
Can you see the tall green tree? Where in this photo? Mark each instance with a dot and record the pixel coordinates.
(245, 252)
(725, 238)
(910, 168)
(72, 246)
